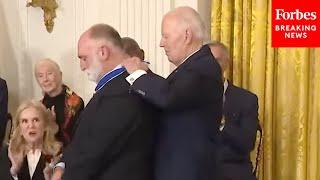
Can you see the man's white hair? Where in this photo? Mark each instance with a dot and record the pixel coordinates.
(191, 18)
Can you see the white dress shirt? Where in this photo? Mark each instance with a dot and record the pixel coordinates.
(223, 121)
(33, 158)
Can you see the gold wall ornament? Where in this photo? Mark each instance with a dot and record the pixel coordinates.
(49, 11)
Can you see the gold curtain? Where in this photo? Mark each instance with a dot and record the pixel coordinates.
(287, 82)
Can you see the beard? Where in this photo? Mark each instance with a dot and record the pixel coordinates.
(94, 71)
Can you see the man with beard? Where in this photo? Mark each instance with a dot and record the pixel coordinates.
(115, 135)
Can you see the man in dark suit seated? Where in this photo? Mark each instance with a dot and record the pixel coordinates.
(190, 98)
(115, 133)
(238, 126)
(3, 109)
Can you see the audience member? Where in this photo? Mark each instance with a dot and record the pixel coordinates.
(238, 125)
(132, 48)
(3, 109)
(33, 144)
(58, 97)
(191, 99)
(115, 135)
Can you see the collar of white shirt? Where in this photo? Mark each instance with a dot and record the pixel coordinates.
(33, 157)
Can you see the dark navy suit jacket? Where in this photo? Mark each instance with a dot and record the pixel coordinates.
(238, 136)
(191, 100)
(114, 137)
(3, 108)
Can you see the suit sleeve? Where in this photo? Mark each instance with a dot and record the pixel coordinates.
(3, 109)
(243, 135)
(5, 164)
(188, 90)
(99, 139)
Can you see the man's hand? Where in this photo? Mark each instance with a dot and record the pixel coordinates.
(134, 63)
(57, 173)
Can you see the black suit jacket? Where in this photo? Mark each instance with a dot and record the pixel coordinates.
(114, 138)
(191, 100)
(238, 136)
(3, 109)
(23, 174)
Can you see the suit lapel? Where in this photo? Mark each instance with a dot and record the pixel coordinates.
(24, 171)
(182, 66)
(38, 173)
(189, 62)
(174, 73)
(228, 95)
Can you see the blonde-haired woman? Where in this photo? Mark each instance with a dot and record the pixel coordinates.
(33, 144)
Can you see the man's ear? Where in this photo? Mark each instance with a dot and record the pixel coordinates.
(104, 52)
(188, 35)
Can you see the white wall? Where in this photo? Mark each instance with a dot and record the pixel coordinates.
(24, 39)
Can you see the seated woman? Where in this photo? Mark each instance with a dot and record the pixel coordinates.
(58, 97)
(33, 144)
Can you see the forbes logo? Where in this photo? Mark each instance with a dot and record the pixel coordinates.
(281, 14)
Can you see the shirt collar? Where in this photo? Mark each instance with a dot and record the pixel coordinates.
(189, 56)
(33, 159)
(225, 86)
(109, 76)
(117, 67)
(34, 152)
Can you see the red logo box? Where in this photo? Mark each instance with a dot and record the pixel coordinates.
(295, 23)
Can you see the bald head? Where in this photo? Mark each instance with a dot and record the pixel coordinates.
(103, 32)
(49, 76)
(221, 54)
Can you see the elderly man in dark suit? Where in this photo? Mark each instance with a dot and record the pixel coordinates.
(190, 98)
(115, 134)
(238, 126)
(3, 109)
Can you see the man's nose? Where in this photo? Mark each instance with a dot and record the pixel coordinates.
(45, 77)
(82, 66)
(161, 43)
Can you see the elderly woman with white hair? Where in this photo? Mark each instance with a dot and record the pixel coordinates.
(58, 97)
